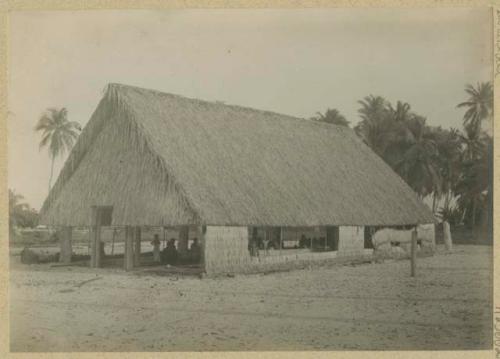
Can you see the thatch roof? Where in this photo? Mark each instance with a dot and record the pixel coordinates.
(162, 159)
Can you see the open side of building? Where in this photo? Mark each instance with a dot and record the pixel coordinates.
(147, 158)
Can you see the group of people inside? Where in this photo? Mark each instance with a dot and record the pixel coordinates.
(256, 243)
(313, 242)
(170, 254)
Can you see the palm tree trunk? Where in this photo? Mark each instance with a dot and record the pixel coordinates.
(473, 213)
(447, 201)
(474, 217)
(51, 172)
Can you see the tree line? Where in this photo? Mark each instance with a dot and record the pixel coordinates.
(447, 164)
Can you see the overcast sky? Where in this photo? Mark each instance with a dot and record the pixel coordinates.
(295, 62)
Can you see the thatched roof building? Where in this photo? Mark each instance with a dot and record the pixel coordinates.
(162, 159)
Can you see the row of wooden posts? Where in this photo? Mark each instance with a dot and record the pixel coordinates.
(132, 253)
(131, 257)
(133, 246)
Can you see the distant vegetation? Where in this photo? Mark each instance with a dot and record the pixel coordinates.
(443, 163)
(332, 116)
(58, 135)
(20, 214)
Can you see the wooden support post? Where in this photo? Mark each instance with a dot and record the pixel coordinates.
(447, 236)
(128, 256)
(137, 249)
(281, 239)
(414, 252)
(113, 242)
(91, 238)
(92, 245)
(95, 239)
(65, 245)
(97, 246)
(182, 246)
(201, 242)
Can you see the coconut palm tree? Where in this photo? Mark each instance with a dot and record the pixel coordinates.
(376, 127)
(473, 186)
(58, 134)
(333, 116)
(418, 162)
(479, 105)
(373, 108)
(474, 183)
(449, 163)
(401, 112)
(473, 142)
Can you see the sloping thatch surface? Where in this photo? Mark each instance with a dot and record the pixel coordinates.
(163, 159)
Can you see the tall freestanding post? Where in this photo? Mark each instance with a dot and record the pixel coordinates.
(65, 243)
(137, 249)
(447, 236)
(182, 244)
(414, 252)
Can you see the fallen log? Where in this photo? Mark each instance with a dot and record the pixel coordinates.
(38, 255)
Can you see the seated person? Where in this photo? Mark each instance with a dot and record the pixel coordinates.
(265, 245)
(170, 255)
(156, 248)
(303, 242)
(195, 251)
(101, 249)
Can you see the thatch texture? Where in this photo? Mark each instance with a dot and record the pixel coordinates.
(351, 241)
(226, 249)
(164, 159)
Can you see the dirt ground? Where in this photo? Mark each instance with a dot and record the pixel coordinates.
(369, 306)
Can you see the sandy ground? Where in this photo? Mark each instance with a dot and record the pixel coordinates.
(369, 306)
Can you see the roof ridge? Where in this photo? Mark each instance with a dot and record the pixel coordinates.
(120, 86)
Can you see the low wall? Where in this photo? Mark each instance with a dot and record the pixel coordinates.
(226, 251)
(351, 241)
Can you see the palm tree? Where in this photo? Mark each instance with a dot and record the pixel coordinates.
(473, 187)
(472, 142)
(479, 104)
(401, 136)
(334, 117)
(418, 162)
(58, 134)
(449, 162)
(401, 113)
(373, 108)
(376, 127)
(474, 183)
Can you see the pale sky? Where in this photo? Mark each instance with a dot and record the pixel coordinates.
(295, 62)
